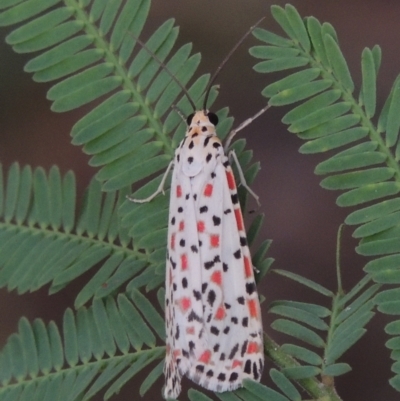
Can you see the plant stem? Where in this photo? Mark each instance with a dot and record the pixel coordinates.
(315, 388)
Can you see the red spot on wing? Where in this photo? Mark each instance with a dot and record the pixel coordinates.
(177, 353)
(231, 180)
(172, 244)
(185, 303)
(252, 347)
(205, 357)
(200, 226)
(178, 191)
(214, 241)
(236, 363)
(181, 225)
(216, 277)
(208, 190)
(239, 220)
(184, 262)
(220, 313)
(248, 269)
(190, 330)
(252, 305)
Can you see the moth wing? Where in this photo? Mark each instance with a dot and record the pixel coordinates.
(232, 321)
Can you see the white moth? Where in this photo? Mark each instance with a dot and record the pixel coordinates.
(214, 331)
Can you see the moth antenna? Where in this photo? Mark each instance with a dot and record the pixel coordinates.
(208, 89)
(166, 70)
(179, 112)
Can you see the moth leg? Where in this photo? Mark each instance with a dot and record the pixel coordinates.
(244, 124)
(232, 155)
(160, 188)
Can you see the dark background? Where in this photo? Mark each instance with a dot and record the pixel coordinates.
(301, 218)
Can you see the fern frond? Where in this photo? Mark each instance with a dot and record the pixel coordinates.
(100, 348)
(331, 332)
(44, 241)
(329, 118)
(89, 49)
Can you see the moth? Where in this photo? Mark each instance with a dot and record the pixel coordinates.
(214, 332)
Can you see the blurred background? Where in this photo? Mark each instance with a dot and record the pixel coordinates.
(300, 217)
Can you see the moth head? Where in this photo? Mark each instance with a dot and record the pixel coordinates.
(202, 118)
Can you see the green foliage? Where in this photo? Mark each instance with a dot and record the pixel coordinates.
(329, 117)
(89, 48)
(102, 347)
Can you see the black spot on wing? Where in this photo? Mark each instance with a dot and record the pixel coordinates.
(216, 220)
(250, 288)
(233, 377)
(214, 330)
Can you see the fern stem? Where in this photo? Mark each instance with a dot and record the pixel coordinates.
(101, 364)
(318, 390)
(338, 268)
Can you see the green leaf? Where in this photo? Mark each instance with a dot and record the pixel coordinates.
(357, 178)
(272, 38)
(195, 395)
(262, 392)
(273, 52)
(308, 283)
(311, 106)
(298, 331)
(315, 32)
(300, 315)
(291, 81)
(21, 12)
(317, 310)
(281, 18)
(280, 64)
(302, 354)
(368, 193)
(333, 141)
(337, 369)
(373, 212)
(285, 385)
(348, 162)
(151, 378)
(393, 118)
(338, 62)
(377, 225)
(368, 82)
(297, 93)
(393, 328)
(331, 127)
(298, 27)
